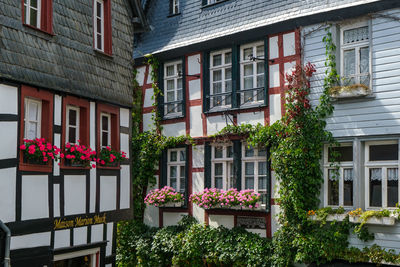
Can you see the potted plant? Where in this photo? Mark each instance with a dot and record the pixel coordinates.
(77, 155)
(38, 151)
(347, 88)
(164, 197)
(110, 158)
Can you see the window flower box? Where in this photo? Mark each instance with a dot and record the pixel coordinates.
(109, 157)
(39, 152)
(164, 197)
(330, 217)
(374, 220)
(350, 91)
(78, 156)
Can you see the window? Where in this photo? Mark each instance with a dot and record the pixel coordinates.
(222, 167)
(173, 84)
(339, 183)
(252, 74)
(209, 2)
(173, 7)
(105, 129)
(102, 26)
(72, 132)
(382, 173)
(36, 121)
(87, 258)
(355, 54)
(176, 169)
(38, 14)
(254, 170)
(32, 118)
(221, 79)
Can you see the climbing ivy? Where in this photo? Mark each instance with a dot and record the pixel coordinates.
(147, 146)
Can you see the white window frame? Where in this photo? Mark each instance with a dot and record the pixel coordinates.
(224, 79)
(101, 18)
(178, 164)
(102, 114)
(247, 61)
(175, 77)
(87, 252)
(28, 100)
(342, 165)
(175, 7)
(27, 12)
(356, 46)
(256, 159)
(384, 165)
(77, 126)
(227, 174)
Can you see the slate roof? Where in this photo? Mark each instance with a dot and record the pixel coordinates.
(66, 62)
(197, 24)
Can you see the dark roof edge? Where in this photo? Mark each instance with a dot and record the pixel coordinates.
(140, 21)
(260, 32)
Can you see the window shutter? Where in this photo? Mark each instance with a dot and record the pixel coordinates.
(186, 175)
(183, 86)
(235, 76)
(237, 163)
(206, 81)
(163, 173)
(207, 165)
(205, 2)
(160, 98)
(266, 71)
(268, 207)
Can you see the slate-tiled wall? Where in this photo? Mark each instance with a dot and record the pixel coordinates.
(66, 61)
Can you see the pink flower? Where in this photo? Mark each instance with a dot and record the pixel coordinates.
(22, 147)
(62, 155)
(93, 166)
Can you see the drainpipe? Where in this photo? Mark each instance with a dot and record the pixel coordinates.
(7, 244)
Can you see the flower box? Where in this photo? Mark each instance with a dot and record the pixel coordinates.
(35, 161)
(330, 217)
(171, 205)
(374, 220)
(351, 91)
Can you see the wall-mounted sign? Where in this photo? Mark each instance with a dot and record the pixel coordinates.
(63, 223)
(251, 222)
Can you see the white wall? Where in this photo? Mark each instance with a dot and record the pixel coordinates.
(74, 194)
(151, 215)
(108, 193)
(7, 193)
(125, 187)
(172, 218)
(30, 241)
(225, 220)
(35, 197)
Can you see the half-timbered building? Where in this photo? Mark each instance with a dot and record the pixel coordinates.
(224, 63)
(65, 75)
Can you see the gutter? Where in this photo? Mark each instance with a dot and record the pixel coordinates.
(6, 262)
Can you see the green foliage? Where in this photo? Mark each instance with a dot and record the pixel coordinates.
(190, 244)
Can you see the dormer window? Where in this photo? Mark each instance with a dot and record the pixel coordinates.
(102, 26)
(38, 14)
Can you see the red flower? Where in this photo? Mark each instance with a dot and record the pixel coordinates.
(22, 147)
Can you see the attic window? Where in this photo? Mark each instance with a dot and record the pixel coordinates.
(102, 26)
(173, 7)
(212, 2)
(38, 14)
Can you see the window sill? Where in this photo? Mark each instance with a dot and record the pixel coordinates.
(51, 34)
(374, 220)
(214, 4)
(109, 167)
(103, 54)
(173, 15)
(330, 217)
(247, 108)
(165, 118)
(35, 167)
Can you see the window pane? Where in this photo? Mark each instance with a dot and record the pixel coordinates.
(248, 84)
(72, 135)
(249, 182)
(262, 168)
(72, 117)
(99, 44)
(218, 183)
(375, 187)
(260, 81)
(98, 22)
(349, 62)
(262, 151)
(179, 82)
(249, 151)
(260, 51)
(248, 69)
(345, 153)
(364, 60)
(180, 94)
(104, 139)
(173, 184)
(170, 85)
(170, 96)
(32, 130)
(355, 35)
(182, 178)
(217, 88)
(217, 60)
(262, 183)
(182, 155)
(232, 176)
(348, 187)
(173, 156)
(218, 169)
(260, 67)
(247, 52)
(249, 168)
(384, 152)
(33, 111)
(228, 58)
(228, 73)
(34, 17)
(98, 7)
(333, 188)
(392, 187)
(104, 123)
(218, 152)
(179, 68)
(170, 70)
(229, 152)
(217, 75)
(172, 172)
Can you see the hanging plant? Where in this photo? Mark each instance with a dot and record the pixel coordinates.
(38, 151)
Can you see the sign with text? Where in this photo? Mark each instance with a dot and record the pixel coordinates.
(63, 223)
(251, 222)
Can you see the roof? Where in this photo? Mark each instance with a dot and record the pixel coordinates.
(197, 24)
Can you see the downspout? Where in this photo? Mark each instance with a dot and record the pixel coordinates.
(7, 244)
